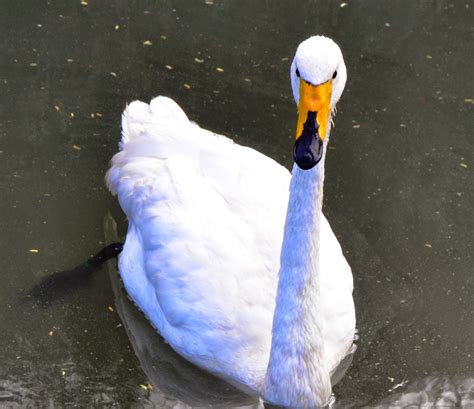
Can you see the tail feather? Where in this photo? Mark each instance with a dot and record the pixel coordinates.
(137, 114)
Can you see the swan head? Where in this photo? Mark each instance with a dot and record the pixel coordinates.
(318, 76)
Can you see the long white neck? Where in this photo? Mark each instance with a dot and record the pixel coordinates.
(297, 375)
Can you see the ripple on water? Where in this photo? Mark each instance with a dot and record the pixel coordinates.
(16, 394)
(432, 392)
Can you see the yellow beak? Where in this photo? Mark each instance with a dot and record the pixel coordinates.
(314, 98)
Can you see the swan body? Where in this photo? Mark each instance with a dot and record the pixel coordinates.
(208, 222)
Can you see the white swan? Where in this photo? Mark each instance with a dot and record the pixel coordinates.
(263, 302)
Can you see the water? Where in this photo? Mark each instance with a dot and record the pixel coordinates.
(399, 187)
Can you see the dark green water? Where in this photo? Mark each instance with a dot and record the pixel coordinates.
(399, 182)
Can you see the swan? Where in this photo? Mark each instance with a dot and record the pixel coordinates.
(227, 254)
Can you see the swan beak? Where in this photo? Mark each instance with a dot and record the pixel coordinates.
(314, 109)
(314, 98)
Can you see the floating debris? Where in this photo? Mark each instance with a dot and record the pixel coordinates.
(117, 27)
(356, 126)
(51, 333)
(69, 60)
(429, 57)
(198, 60)
(146, 12)
(113, 74)
(98, 114)
(247, 80)
(33, 64)
(168, 67)
(63, 372)
(147, 387)
(219, 69)
(469, 100)
(71, 115)
(464, 165)
(56, 107)
(387, 24)
(92, 115)
(110, 308)
(34, 251)
(398, 385)
(187, 86)
(209, 2)
(84, 3)
(342, 5)
(428, 245)
(76, 147)
(285, 59)
(403, 126)
(147, 42)
(163, 37)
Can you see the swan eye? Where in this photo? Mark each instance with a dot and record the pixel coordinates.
(297, 73)
(334, 75)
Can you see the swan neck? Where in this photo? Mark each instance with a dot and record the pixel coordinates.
(297, 375)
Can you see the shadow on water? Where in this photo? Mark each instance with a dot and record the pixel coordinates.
(62, 283)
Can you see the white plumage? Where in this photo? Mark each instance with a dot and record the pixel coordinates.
(202, 254)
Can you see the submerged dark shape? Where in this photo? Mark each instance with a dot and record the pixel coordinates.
(57, 284)
(308, 149)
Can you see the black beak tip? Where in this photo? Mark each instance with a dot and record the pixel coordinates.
(307, 154)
